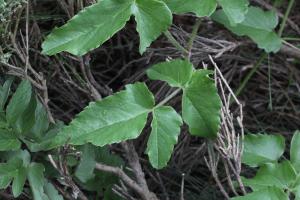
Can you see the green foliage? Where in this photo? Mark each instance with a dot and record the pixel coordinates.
(201, 105)
(85, 169)
(260, 149)
(177, 73)
(165, 130)
(258, 25)
(19, 102)
(123, 116)
(235, 10)
(295, 151)
(269, 193)
(154, 17)
(16, 165)
(94, 25)
(200, 7)
(94, 180)
(274, 179)
(114, 119)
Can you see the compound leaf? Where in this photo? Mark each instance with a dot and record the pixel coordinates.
(270, 193)
(114, 119)
(260, 149)
(164, 135)
(235, 10)
(200, 7)
(177, 73)
(89, 28)
(153, 17)
(295, 151)
(201, 105)
(93, 26)
(258, 25)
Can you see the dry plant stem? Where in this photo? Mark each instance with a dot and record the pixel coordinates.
(230, 183)
(123, 176)
(134, 162)
(96, 95)
(229, 146)
(62, 168)
(175, 43)
(182, 188)
(212, 164)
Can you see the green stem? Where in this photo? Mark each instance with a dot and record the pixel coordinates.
(168, 98)
(175, 42)
(192, 37)
(187, 54)
(250, 74)
(286, 15)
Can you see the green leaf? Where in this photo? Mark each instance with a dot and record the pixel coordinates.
(89, 28)
(19, 181)
(271, 193)
(4, 92)
(103, 180)
(41, 124)
(85, 169)
(177, 73)
(14, 169)
(93, 26)
(280, 175)
(235, 10)
(114, 119)
(200, 7)
(19, 102)
(201, 105)
(295, 151)
(36, 180)
(164, 135)
(51, 192)
(44, 143)
(258, 25)
(153, 17)
(27, 119)
(5, 181)
(8, 141)
(260, 149)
